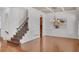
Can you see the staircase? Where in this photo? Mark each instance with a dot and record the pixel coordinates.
(21, 31)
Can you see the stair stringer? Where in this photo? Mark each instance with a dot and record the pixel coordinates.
(28, 37)
(9, 36)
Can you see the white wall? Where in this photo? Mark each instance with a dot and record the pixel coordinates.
(12, 18)
(34, 25)
(0, 25)
(77, 15)
(70, 30)
(1, 12)
(0, 22)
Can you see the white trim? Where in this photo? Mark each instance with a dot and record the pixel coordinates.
(22, 41)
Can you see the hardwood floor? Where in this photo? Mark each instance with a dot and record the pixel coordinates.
(26, 47)
(50, 44)
(60, 44)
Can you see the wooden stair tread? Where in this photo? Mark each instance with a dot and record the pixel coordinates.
(19, 34)
(13, 43)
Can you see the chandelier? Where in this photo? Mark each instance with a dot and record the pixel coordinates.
(57, 22)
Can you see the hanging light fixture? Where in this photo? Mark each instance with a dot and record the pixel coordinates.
(57, 22)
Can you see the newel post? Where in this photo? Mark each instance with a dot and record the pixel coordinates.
(41, 28)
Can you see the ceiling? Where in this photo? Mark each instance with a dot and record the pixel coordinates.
(50, 9)
(2, 8)
(55, 9)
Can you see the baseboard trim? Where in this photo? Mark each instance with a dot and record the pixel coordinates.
(22, 42)
(61, 37)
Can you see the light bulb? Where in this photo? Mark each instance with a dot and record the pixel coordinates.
(53, 20)
(58, 20)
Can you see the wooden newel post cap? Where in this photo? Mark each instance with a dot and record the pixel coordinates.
(40, 16)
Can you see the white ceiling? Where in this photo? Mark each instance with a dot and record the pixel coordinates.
(2, 8)
(50, 9)
(55, 9)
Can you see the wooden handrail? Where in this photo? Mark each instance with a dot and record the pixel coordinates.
(23, 23)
